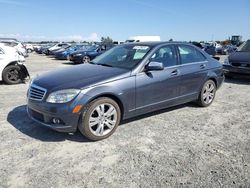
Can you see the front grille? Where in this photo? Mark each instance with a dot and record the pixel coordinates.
(36, 93)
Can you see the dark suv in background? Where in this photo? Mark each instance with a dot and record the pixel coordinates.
(238, 62)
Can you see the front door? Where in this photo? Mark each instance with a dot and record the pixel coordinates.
(156, 88)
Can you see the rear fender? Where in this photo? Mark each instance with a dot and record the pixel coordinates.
(24, 72)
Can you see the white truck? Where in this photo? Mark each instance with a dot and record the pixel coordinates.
(12, 67)
(143, 39)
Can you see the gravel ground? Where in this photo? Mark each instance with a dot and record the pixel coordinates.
(184, 146)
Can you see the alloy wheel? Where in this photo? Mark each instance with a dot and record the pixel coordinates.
(13, 75)
(103, 119)
(86, 59)
(208, 92)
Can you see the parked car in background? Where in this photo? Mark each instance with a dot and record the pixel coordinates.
(65, 54)
(43, 48)
(126, 81)
(86, 55)
(54, 48)
(238, 62)
(228, 49)
(225, 50)
(210, 49)
(197, 44)
(12, 68)
(17, 45)
(29, 48)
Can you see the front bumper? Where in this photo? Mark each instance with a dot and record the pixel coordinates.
(76, 59)
(44, 113)
(236, 70)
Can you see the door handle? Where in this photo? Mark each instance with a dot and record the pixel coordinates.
(203, 66)
(174, 72)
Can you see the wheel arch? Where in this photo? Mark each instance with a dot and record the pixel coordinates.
(213, 79)
(113, 97)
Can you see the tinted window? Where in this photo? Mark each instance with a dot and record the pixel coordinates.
(165, 55)
(189, 54)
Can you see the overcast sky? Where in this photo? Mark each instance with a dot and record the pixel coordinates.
(32, 20)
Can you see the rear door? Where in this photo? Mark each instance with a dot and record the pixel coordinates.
(193, 70)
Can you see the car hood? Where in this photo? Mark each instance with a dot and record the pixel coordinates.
(79, 76)
(240, 57)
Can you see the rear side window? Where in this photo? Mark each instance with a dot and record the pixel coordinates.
(189, 54)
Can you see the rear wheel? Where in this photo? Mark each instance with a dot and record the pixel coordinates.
(207, 93)
(12, 74)
(100, 119)
(85, 59)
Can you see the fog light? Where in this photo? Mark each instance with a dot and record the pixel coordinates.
(56, 121)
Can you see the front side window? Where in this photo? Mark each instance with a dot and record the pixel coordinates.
(165, 55)
(189, 54)
(127, 56)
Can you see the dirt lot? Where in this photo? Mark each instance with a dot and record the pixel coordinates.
(185, 146)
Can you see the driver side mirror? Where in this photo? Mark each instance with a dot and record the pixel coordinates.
(154, 65)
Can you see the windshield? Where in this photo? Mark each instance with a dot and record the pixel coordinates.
(245, 47)
(127, 56)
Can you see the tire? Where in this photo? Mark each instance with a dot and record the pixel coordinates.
(12, 74)
(228, 75)
(85, 59)
(93, 124)
(207, 94)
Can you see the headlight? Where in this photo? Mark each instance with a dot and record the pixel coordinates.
(63, 96)
(226, 61)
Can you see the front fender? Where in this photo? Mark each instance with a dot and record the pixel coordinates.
(123, 90)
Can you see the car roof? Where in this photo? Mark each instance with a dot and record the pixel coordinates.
(153, 44)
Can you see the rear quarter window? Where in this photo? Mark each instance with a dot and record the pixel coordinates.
(189, 54)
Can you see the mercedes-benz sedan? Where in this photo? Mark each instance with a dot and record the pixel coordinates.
(124, 82)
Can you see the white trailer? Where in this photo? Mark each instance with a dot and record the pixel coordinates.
(143, 39)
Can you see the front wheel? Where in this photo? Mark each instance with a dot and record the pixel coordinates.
(12, 74)
(86, 59)
(100, 119)
(207, 93)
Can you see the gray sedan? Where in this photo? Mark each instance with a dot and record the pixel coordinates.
(126, 81)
